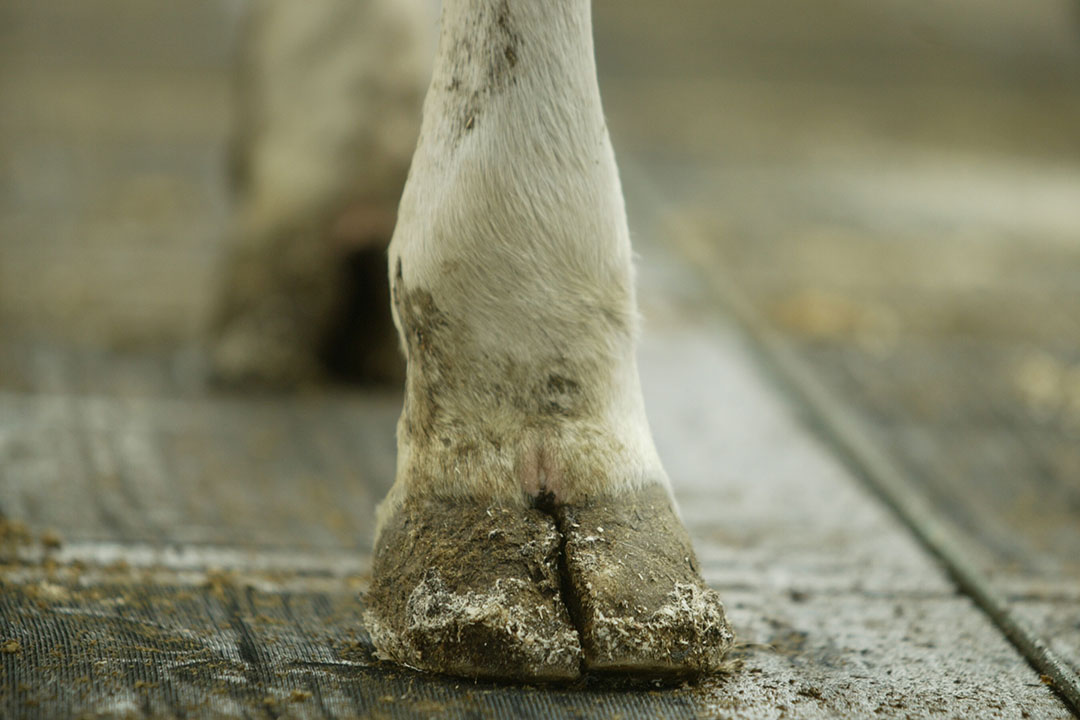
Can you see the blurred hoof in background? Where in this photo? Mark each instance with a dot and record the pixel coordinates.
(322, 139)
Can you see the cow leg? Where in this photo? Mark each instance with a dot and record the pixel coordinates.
(328, 105)
(530, 531)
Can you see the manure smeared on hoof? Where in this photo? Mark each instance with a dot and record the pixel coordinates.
(504, 594)
(469, 590)
(635, 589)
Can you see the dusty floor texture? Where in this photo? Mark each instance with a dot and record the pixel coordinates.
(906, 255)
(842, 611)
(889, 192)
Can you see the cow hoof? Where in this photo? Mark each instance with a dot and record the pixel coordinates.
(471, 590)
(245, 355)
(635, 589)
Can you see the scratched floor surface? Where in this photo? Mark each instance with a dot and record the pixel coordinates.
(168, 551)
(891, 196)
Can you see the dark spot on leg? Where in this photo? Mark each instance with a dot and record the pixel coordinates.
(423, 327)
(481, 64)
(494, 442)
(502, 18)
(562, 385)
(561, 395)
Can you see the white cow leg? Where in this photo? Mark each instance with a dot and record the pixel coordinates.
(530, 532)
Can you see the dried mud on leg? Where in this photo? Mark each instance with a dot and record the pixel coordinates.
(634, 588)
(471, 590)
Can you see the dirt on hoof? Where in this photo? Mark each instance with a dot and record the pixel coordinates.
(470, 590)
(634, 588)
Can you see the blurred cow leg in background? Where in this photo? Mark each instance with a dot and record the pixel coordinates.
(328, 110)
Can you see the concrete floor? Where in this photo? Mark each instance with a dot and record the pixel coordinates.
(890, 193)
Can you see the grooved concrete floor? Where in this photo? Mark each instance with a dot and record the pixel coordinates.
(208, 550)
